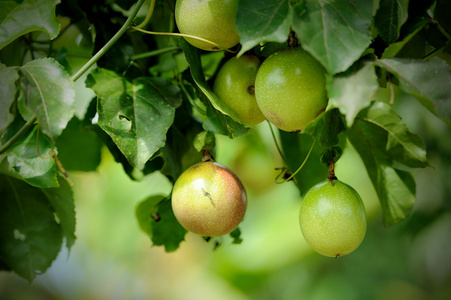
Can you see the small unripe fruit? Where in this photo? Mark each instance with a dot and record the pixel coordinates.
(212, 20)
(290, 89)
(333, 219)
(208, 199)
(234, 85)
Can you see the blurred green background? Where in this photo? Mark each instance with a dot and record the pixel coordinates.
(113, 259)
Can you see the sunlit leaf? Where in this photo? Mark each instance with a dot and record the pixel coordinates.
(269, 21)
(402, 145)
(23, 157)
(50, 94)
(136, 115)
(390, 16)
(30, 15)
(30, 237)
(334, 32)
(429, 81)
(353, 92)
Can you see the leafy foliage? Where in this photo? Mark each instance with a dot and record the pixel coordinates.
(155, 109)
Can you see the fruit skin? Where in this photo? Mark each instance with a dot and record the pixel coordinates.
(213, 20)
(290, 88)
(333, 219)
(234, 85)
(209, 199)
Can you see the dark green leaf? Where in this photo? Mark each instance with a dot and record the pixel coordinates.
(353, 92)
(62, 200)
(79, 147)
(295, 148)
(192, 55)
(146, 211)
(219, 123)
(326, 128)
(30, 237)
(393, 49)
(50, 94)
(26, 17)
(429, 81)
(136, 115)
(236, 236)
(402, 145)
(269, 21)
(373, 131)
(334, 32)
(8, 78)
(24, 159)
(167, 231)
(390, 16)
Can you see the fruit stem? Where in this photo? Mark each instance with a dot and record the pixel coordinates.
(206, 156)
(292, 40)
(331, 177)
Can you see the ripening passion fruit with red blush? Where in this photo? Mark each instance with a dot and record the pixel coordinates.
(208, 199)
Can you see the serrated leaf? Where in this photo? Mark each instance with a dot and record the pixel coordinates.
(373, 130)
(220, 123)
(24, 159)
(30, 15)
(326, 128)
(50, 94)
(429, 81)
(136, 115)
(192, 55)
(30, 237)
(402, 145)
(268, 22)
(62, 201)
(389, 18)
(336, 33)
(8, 78)
(353, 92)
(147, 209)
(167, 231)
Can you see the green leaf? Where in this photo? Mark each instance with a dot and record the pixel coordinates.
(393, 49)
(79, 147)
(136, 115)
(326, 128)
(269, 22)
(167, 231)
(192, 55)
(205, 140)
(62, 200)
(389, 18)
(30, 237)
(374, 131)
(24, 159)
(336, 33)
(50, 94)
(236, 236)
(146, 210)
(295, 147)
(429, 81)
(30, 15)
(219, 123)
(353, 92)
(402, 145)
(8, 78)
